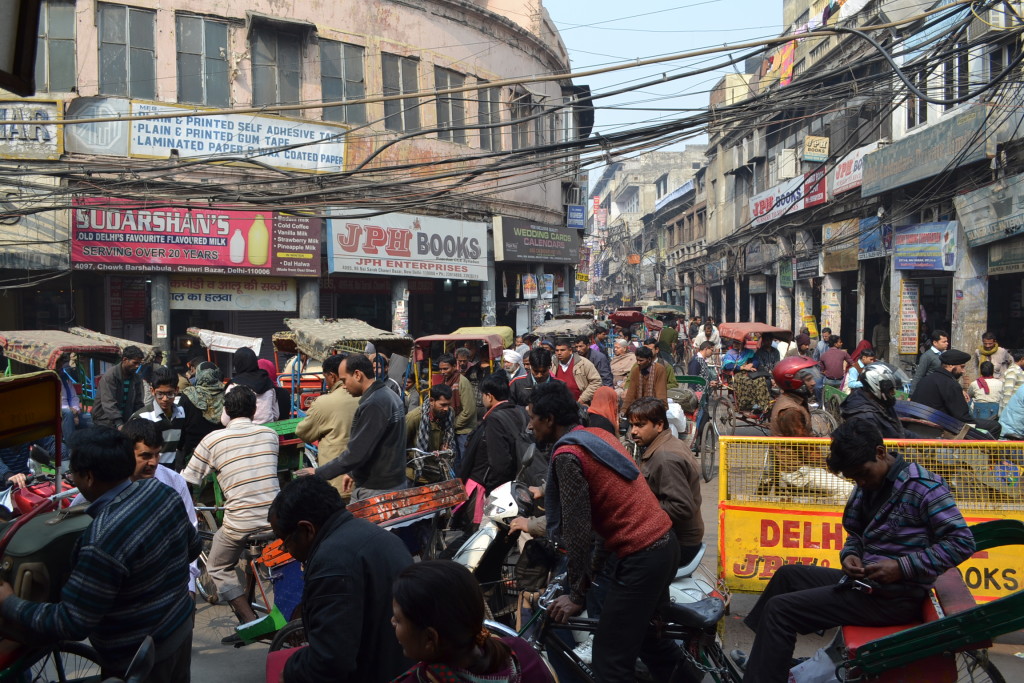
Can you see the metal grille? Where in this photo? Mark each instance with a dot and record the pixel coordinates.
(984, 476)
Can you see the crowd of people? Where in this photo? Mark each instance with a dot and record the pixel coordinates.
(625, 521)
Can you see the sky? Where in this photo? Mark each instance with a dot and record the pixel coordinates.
(600, 33)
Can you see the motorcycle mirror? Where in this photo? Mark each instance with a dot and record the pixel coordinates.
(40, 455)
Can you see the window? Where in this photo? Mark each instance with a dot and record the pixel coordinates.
(341, 78)
(451, 109)
(917, 109)
(127, 52)
(276, 67)
(956, 75)
(521, 111)
(55, 47)
(401, 78)
(695, 165)
(202, 61)
(488, 117)
(661, 186)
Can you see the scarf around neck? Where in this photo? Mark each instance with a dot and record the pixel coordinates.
(447, 429)
(990, 352)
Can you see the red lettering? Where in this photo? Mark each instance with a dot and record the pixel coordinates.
(771, 565)
(398, 242)
(349, 241)
(790, 533)
(376, 237)
(748, 569)
(832, 535)
(769, 533)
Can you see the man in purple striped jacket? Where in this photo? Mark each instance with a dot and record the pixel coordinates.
(903, 529)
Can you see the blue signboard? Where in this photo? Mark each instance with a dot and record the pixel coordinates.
(925, 246)
(576, 216)
(875, 238)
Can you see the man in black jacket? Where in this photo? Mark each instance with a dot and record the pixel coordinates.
(941, 390)
(119, 393)
(374, 461)
(540, 372)
(492, 448)
(875, 402)
(350, 565)
(600, 361)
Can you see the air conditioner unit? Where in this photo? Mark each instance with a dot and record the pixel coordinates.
(1004, 15)
(789, 163)
(754, 148)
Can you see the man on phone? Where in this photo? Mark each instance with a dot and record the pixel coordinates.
(903, 530)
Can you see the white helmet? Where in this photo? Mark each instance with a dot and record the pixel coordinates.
(880, 379)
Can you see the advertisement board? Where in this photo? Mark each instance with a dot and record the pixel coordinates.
(789, 196)
(925, 246)
(1006, 256)
(520, 240)
(576, 216)
(30, 239)
(807, 267)
(875, 238)
(118, 235)
(297, 144)
(910, 299)
(815, 148)
(993, 212)
(757, 540)
(757, 284)
(786, 274)
(27, 130)
(840, 243)
(405, 245)
(849, 172)
(233, 293)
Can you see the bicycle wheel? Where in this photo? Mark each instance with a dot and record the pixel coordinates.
(292, 634)
(975, 666)
(708, 451)
(204, 584)
(66, 662)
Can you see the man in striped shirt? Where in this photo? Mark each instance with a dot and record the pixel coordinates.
(244, 456)
(903, 529)
(130, 566)
(168, 416)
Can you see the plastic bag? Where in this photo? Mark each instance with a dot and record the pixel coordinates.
(676, 418)
(818, 669)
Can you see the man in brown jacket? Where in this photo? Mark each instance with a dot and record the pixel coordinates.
(647, 378)
(671, 472)
(329, 418)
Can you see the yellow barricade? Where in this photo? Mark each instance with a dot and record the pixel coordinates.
(778, 504)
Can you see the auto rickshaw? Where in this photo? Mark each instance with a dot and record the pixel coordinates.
(490, 340)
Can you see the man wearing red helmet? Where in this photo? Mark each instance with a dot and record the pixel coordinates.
(790, 414)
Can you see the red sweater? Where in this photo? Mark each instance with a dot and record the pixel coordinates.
(568, 378)
(626, 514)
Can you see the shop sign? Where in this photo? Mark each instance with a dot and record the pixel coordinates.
(30, 240)
(807, 267)
(582, 277)
(993, 212)
(849, 172)
(875, 238)
(839, 242)
(759, 540)
(910, 299)
(757, 284)
(522, 241)
(109, 138)
(758, 254)
(786, 274)
(788, 197)
(28, 131)
(955, 141)
(404, 245)
(576, 216)
(716, 269)
(925, 246)
(233, 293)
(815, 148)
(297, 144)
(118, 235)
(1006, 257)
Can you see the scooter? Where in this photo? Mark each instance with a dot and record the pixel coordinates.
(40, 485)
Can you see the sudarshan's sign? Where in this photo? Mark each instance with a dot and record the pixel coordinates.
(117, 235)
(405, 245)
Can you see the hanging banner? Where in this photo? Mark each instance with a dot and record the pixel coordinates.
(122, 236)
(925, 246)
(549, 287)
(840, 244)
(875, 238)
(232, 293)
(406, 245)
(910, 299)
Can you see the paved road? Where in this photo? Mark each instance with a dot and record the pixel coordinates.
(214, 663)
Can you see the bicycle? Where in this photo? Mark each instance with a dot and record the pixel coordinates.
(63, 662)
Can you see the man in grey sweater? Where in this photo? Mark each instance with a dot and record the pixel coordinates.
(929, 360)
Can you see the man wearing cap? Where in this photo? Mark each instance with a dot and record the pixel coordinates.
(941, 390)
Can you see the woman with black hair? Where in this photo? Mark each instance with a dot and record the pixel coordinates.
(439, 622)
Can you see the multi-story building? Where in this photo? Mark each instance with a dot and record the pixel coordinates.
(309, 168)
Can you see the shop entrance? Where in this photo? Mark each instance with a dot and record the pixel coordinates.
(1005, 310)
(936, 303)
(876, 304)
(848, 309)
